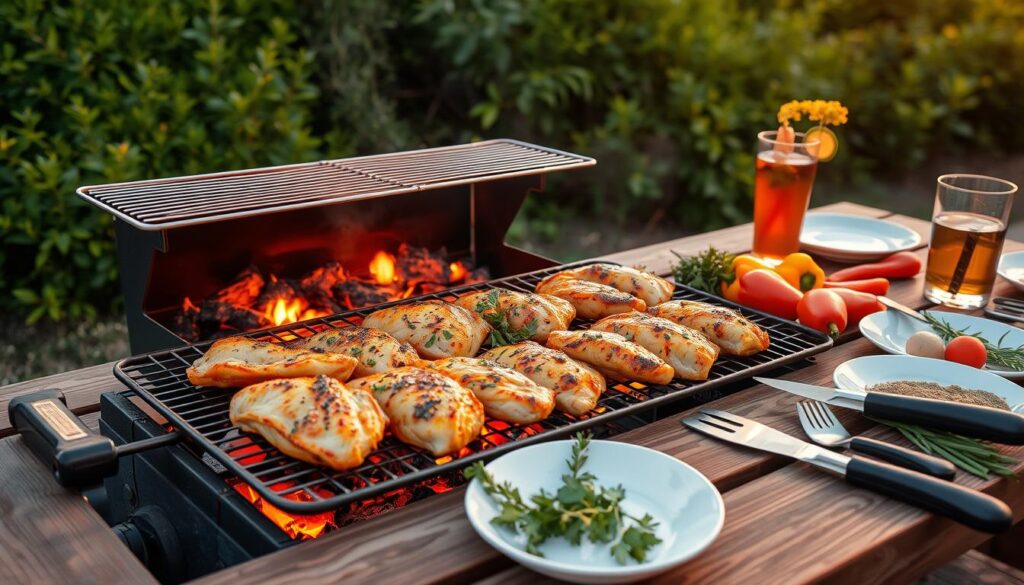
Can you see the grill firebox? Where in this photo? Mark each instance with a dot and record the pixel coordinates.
(189, 236)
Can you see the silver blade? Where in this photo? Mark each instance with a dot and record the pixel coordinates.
(742, 431)
(834, 396)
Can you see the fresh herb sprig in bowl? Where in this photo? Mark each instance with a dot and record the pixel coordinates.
(1004, 356)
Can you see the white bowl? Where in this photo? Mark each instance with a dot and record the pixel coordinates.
(852, 238)
(685, 504)
(1011, 267)
(859, 373)
(889, 331)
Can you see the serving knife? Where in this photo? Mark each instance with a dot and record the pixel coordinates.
(981, 422)
(971, 508)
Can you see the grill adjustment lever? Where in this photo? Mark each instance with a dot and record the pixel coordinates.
(79, 457)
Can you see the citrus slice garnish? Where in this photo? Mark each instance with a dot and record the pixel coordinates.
(828, 142)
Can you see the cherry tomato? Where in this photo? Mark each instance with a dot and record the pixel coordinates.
(966, 350)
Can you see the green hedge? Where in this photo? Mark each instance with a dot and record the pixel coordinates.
(666, 94)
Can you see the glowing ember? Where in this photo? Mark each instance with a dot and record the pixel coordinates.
(296, 526)
(187, 305)
(382, 267)
(458, 270)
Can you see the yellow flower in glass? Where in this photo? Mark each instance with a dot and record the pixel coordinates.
(825, 113)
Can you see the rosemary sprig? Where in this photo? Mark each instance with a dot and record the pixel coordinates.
(502, 332)
(706, 271)
(974, 456)
(579, 508)
(998, 354)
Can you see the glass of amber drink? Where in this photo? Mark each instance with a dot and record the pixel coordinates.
(783, 178)
(968, 229)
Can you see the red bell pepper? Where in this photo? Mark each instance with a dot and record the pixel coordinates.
(875, 286)
(766, 291)
(858, 304)
(899, 265)
(824, 310)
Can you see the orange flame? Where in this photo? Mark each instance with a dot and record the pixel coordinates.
(458, 270)
(296, 526)
(187, 305)
(382, 267)
(281, 311)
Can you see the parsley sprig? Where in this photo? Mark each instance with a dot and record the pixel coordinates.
(579, 508)
(502, 332)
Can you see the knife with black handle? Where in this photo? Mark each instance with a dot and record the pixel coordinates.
(956, 502)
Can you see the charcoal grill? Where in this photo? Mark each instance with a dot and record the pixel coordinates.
(188, 237)
(202, 413)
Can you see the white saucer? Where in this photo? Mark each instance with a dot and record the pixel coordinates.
(859, 373)
(889, 331)
(1011, 267)
(686, 505)
(851, 238)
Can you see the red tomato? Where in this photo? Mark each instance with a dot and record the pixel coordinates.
(966, 350)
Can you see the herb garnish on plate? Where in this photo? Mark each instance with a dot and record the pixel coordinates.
(502, 332)
(579, 508)
(1006, 356)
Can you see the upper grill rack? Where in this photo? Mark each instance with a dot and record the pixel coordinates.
(202, 413)
(175, 202)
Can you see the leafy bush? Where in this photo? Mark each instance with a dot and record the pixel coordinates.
(666, 94)
(105, 91)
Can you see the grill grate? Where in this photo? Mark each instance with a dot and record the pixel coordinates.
(176, 202)
(295, 486)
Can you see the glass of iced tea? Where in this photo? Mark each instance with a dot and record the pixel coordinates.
(968, 229)
(783, 177)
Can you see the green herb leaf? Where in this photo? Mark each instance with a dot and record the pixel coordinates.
(706, 271)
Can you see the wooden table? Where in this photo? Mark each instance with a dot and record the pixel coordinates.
(785, 522)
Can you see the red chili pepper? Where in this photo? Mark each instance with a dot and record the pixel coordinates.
(875, 286)
(766, 291)
(899, 265)
(858, 304)
(824, 310)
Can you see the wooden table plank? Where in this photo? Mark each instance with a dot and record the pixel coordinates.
(50, 534)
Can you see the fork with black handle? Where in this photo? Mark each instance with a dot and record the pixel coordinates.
(822, 426)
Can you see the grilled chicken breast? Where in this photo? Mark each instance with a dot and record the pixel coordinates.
(435, 329)
(548, 313)
(577, 386)
(239, 361)
(505, 393)
(317, 420)
(688, 352)
(592, 300)
(425, 408)
(613, 355)
(652, 289)
(375, 350)
(726, 328)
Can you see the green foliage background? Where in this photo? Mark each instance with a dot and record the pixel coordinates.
(666, 94)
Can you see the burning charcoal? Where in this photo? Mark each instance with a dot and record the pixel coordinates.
(276, 289)
(317, 286)
(215, 315)
(481, 274)
(355, 293)
(186, 322)
(415, 264)
(244, 290)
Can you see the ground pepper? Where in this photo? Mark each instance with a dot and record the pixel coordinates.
(952, 393)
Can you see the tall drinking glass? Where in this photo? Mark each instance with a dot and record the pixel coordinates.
(783, 177)
(968, 229)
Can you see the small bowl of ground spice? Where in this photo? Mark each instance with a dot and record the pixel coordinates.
(928, 378)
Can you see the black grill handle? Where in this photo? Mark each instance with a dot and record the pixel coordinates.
(79, 457)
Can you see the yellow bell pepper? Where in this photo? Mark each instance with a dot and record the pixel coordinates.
(801, 272)
(741, 265)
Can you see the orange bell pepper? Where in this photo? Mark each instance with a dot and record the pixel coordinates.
(741, 265)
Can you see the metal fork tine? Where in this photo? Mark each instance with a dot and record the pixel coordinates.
(827, 415)
(722, 415)
(707, 427)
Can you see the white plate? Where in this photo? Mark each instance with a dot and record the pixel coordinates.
(889, 331)
(859, 373)
(1011, 267)
(688, 509)
(851, 238)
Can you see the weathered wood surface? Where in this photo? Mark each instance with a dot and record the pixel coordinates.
(780, 516)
